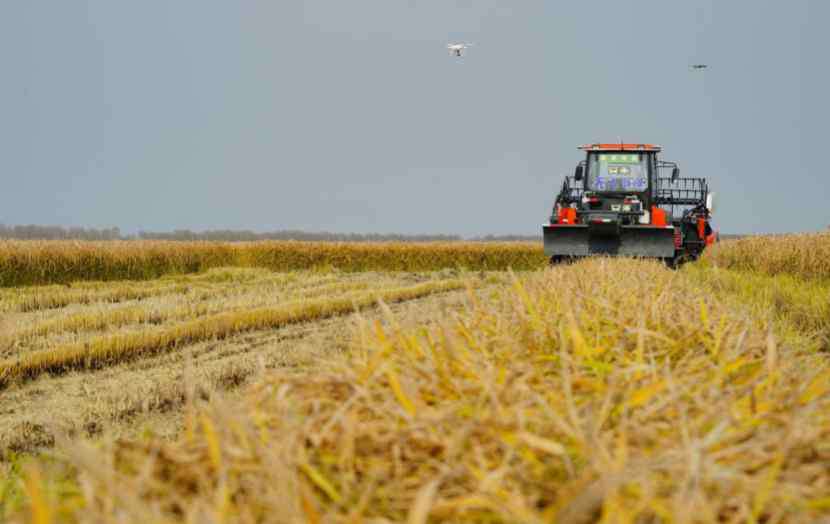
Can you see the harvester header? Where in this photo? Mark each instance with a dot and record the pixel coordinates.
(617, 203)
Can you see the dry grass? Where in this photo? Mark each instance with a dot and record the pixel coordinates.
(805, 256)
(55, 262)
(608, 391)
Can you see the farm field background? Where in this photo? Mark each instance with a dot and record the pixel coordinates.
(58, 262)
(157, 381)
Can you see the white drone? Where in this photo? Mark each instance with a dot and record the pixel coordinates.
(458, 49)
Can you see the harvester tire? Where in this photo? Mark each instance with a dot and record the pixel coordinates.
(561, 260)
(678, 260)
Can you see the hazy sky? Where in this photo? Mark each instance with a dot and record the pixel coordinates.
(350, 116)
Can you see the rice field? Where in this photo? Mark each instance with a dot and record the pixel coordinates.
(24, 263)
(805, 255)
(603, 391)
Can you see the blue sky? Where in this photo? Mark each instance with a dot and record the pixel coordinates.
(352, 117)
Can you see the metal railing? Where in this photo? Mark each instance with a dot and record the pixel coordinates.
(677, 195)
(681, 192)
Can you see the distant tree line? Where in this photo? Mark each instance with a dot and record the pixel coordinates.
(237, 236)
(728, 236)
(32, 232)
(221, 235)
(508, 238)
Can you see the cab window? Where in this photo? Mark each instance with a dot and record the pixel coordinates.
(619, 172)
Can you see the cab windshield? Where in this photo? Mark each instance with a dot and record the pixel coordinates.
(617, 172)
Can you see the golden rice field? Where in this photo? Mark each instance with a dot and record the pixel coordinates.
(25, 263)
(805, 255)
(604, 391)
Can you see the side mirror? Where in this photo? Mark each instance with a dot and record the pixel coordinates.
(578, 172)
(675, 174)
(710, 202)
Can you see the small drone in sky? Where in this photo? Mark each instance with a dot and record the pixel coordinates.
(698, 67)
(458, 49)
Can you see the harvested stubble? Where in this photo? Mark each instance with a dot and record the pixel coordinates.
(101, 319)
(63, 298)
(108, 350)
(48, 262)
(265, 292)
(612, 391)
(201, 286)
(804, 255)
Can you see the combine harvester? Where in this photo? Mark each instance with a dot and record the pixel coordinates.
(618, 204)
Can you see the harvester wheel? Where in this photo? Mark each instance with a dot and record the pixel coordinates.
(557, 260)
(678, 260)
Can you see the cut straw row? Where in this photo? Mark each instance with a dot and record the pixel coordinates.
(224, 300)
(109, 350)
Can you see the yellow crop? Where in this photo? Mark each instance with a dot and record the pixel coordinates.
(805, 255)
(49, 262)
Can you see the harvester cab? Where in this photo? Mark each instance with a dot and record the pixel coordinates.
(624, 200)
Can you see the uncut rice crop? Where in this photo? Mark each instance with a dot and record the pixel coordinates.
(24, 263)
(802, 305)
(49, 262)
(804, 255)
(609, 391)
